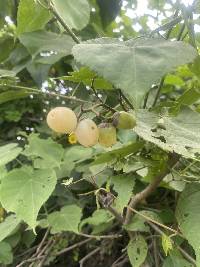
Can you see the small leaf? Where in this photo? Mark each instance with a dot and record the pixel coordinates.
(75, 14)
(31, 16)
(8, 225)
(98, 217)
(137, 251)
(24, 190)
(8, 153)
(67, 219)
(88, 77)
(166, 244)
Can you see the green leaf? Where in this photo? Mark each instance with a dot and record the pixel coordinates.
(13, 95)
(188, 216)
(52, 46)
(75, 14)
(189, 97)
(8, 153)
(173, 80)
(31, 16)
(77, 153)
(24, 190)
(98, 217)
(67, 219)
(176, 260)
(166, 244)
(45, 149)
(6, 256)
(8, 225)
(133, 65)
(6, 45)
(123, 185)
(137, 251)
(175, 134)
(88, 77)
(118, 153)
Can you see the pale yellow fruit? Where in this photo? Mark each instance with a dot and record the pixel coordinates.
(62, 120)
(107, 134)
(87, 133)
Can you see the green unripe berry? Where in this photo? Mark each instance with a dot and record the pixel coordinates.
(107, 134)
(124, 120)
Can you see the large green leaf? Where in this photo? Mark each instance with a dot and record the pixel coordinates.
(31, 16)
(133, 65)
(6, 256)
(54, 46)
(8, 225)
(67, 219)
(8, 153)
(179, 134)
(188, 216)
(137, 251)
(75, 14)
(24, 190)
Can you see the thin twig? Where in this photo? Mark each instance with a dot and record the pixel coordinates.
(167, 25)
(100, 236)
(42, 242)
(77, 245)
(173, 158)
(29, 261)
(121, 101)
(158, 91)
(99, 98)
(155, 252)
(93, 252)
(184, 253)
(148, 220)
(114, 212)
(118, 260)
(126, 100)
(49, 248)
(37, 91)
(65, 26)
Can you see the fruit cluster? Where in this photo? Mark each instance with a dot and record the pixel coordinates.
(63, 120)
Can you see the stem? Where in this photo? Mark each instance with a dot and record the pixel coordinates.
(65, 26)
(93, 252)
(136, 199)
(37, 91)
(158, 91)
(73, 246)
(100, 100)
